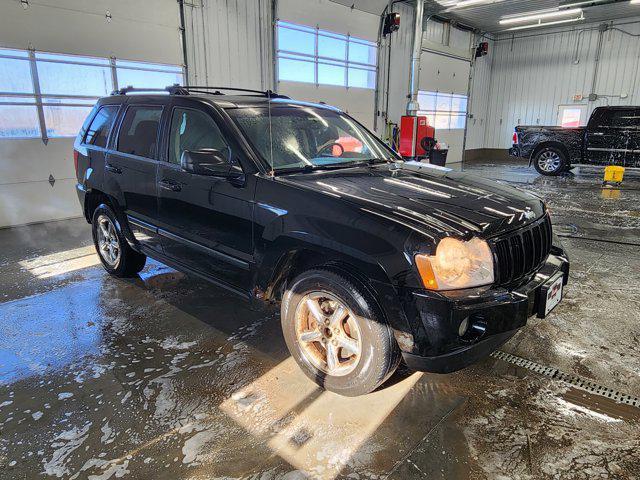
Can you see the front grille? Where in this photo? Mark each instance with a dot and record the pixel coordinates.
(523, 252)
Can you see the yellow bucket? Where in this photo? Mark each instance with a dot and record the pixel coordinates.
(613, 174)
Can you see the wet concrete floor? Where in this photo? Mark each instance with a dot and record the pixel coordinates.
(167, 377)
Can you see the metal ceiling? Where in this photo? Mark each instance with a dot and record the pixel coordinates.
(486, 17)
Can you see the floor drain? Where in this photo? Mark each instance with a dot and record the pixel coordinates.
(573, 380)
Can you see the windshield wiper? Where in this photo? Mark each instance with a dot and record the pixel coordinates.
(334, 166)
(301, 169)
(360, 163)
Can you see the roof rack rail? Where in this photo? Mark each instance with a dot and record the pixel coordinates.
(217, 91)
(185, 90)
(172, 90)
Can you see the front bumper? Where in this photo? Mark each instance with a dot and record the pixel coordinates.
(495, 315)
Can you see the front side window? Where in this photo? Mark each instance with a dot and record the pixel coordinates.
(304, 136)
(98, 131)
(311, 55)
(193, 130)
(139, 131)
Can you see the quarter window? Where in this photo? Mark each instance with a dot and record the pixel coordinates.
(98, 131)
(139, 131)
(193, 130)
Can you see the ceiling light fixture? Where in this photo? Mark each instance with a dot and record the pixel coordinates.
(545, 24)
(471, 3)
(540, 16)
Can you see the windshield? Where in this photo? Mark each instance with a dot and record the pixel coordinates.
(308, 137)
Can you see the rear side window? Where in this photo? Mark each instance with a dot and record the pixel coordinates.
(619, 119)
(98, 131)
(193, 130)
(139, 131)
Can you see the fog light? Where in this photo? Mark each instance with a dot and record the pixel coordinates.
(464, 327)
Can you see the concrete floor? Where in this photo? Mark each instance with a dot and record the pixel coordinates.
(167, 377)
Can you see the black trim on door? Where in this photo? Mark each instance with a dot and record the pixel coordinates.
(216, 253)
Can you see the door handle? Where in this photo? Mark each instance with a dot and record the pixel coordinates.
(112, 169)
(598, 134)
(169, 185)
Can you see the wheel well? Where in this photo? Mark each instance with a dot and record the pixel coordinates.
(556, 145)
(92, 199)
(295, 262)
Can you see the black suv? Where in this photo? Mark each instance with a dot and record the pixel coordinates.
(372, 259)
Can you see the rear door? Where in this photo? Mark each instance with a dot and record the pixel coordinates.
(205, 222)
(131, 168)
(612, 137)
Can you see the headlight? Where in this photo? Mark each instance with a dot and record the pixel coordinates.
(457, 265)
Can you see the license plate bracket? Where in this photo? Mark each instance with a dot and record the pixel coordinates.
(550, 295)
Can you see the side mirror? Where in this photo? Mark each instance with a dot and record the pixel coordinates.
(210, 162)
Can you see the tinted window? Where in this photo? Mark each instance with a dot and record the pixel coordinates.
(193, 130)
(98, 131)
(139, 131)
(619, 119)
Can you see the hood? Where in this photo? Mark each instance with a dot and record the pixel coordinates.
(434, 201)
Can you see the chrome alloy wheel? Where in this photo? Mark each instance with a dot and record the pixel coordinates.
(328, 334)
(549, 162)
(108, 242)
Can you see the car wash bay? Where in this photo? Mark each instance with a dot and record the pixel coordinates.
(166, 376)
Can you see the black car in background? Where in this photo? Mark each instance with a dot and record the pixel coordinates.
(372, 259)
(612, 137)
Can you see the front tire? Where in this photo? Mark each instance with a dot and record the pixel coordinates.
(117, 257)
(550, 161)
(337, 334)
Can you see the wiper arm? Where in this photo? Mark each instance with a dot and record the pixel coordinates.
(359, 163)
(302, 169)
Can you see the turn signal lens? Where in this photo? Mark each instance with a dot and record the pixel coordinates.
(457, 265)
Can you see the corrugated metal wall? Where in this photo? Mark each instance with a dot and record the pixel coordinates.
(479, 99)
(229, 43)
(532, 75)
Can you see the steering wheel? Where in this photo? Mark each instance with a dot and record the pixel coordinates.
(330, 143)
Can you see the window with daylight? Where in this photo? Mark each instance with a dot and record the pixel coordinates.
(312, 55)
(445, 111)
(49, 94)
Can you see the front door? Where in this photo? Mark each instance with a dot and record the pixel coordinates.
(131, 171)
(612, 137)
(205, 221)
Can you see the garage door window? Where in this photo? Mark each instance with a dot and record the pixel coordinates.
(312, 55)
(445, 111)
(49, 95)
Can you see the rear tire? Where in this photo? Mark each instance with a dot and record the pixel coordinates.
(337, 334)
(550, 161)
(117, 257)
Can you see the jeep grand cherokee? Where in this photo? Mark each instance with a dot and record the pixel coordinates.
(372, 259)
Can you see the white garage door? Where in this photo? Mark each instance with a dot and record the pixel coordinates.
(444, 83)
